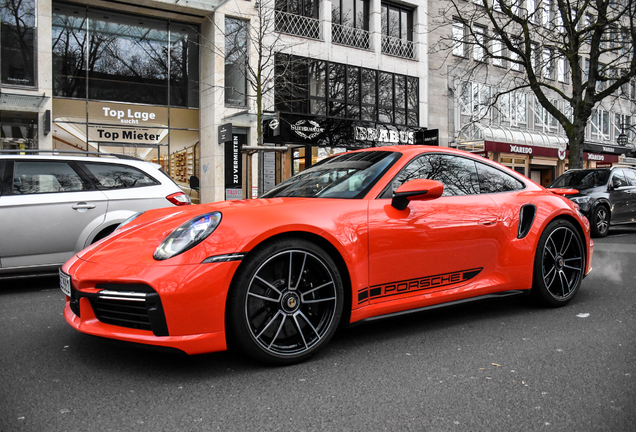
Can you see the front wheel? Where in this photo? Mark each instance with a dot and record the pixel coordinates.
(600, 221)
(559, 264)
(285, 303)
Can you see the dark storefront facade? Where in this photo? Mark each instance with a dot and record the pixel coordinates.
(326, 108)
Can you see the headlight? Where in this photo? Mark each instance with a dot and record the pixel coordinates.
(127, 221)
(188, 235)
(584, 202)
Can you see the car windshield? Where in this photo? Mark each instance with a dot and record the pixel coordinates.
(582, 179)
(349, 175)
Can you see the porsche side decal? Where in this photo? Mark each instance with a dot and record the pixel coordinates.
(419, 284)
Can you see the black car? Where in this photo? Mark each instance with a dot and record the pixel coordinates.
(607, 196)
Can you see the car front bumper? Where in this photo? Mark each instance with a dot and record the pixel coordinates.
(180, 307)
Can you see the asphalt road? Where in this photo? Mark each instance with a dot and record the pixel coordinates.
(497, 365)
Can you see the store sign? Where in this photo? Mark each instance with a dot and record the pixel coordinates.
(520, 149)
(595, 157)
(127, 135)
(307, 129)
(234, 167)
(128, 116)
(225, 133)
(383, 135)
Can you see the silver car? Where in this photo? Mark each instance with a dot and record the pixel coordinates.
(54, 206)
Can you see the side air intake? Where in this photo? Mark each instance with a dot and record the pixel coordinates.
(526, 217)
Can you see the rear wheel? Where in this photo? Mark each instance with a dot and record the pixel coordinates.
(600, 221)
(285, 303)
(559, 264)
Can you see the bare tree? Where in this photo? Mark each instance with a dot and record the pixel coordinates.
(577, 51)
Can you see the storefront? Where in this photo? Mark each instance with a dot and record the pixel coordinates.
(544, 164)
(139, 96)
(327, 108)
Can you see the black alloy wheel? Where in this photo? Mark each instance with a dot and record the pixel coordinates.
(559, 264)
(286, 302)
(600, 221)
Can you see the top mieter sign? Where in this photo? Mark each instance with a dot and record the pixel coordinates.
(129, 116)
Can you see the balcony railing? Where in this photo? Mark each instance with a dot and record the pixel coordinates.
(398, 47)
(349, 36)
(297, 25)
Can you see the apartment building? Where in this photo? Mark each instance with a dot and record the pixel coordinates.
(471, 75)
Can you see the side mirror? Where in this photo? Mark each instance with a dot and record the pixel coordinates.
(416, 190)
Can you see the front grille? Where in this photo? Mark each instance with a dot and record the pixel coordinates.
(123, 313)
(125, 305)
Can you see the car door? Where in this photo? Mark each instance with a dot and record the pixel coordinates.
(630, 208)
(432, 245)
(127, 188)
(47, 210)
(620, 196)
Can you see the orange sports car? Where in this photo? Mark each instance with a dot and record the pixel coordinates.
(357, 237)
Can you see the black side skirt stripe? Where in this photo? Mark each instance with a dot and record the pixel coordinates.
(420, 284)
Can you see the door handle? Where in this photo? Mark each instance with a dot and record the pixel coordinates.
(83, 206)
(487, 222)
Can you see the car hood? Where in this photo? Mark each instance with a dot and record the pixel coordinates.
(242, 224)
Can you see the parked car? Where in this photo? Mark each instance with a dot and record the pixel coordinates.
(357, 237)
(54, 206)
(606, 196)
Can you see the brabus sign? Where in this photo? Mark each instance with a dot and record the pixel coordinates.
(383, 135)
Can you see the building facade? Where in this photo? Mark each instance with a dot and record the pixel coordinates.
(171, 82)
(471, 73)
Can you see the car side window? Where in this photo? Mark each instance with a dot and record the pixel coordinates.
(458, 174)
(618, 179)
(492, 180)
(34, 177)
(631, 177)
(113, 176)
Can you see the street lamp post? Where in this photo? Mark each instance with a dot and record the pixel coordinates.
(623, 139)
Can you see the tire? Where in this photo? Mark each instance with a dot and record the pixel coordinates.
(559, 264)
(285, 303)
(600, 221)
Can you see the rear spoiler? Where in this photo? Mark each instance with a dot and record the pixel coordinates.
(563, 191)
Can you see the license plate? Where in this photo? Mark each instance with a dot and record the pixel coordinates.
(65, 283)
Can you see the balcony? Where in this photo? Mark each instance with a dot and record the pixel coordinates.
(398, 47)
(297, 25)
(349, 36)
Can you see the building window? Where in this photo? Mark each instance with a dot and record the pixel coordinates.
(600, 125)
(235, 62)
(480, 43)
(18, 54)
(459, 39)
(306, 86)
(497, 52)
(547, 68)
(297, 17)
(397, 31)
(130, 58)
(350, 23)
(561, 70)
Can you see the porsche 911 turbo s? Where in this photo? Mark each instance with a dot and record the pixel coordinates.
(357, 237)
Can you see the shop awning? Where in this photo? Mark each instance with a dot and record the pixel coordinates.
(22, 100)
(518, 136)
(593, 147)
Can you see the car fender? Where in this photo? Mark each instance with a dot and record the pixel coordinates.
(112, 218)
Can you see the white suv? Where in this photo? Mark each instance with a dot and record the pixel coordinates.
(54, 206)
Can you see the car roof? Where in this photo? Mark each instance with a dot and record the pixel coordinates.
(62, 157)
